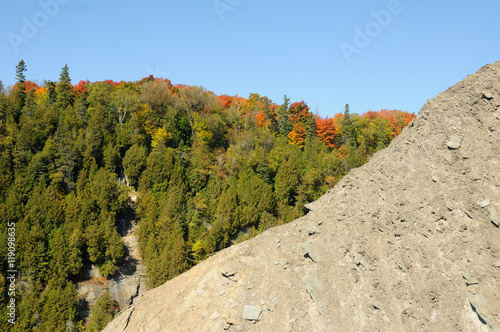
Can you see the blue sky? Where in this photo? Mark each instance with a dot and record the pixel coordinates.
(327, 53)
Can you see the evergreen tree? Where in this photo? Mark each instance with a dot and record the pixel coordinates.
(20, 69)
(284, 124)
(64, 90)
(134, 163)
(347, 128)
(59, 308)
(102, 312)
(51, 87)
(19, 89)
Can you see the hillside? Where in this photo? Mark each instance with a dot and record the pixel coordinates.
(110, 188)
(408, 242)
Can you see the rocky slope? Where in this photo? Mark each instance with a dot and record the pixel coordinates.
(409, 242)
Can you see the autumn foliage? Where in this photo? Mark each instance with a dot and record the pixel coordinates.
(209, 170)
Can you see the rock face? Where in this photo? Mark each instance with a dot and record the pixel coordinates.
(400, 244)
(129, 282)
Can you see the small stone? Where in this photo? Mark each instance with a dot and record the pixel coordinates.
(309, 206)
(311, 230)
(464, 154)
(454, 143)
(484, 203)
(320, 222)
(469, 279)
(435, 179)
(472, 289)
(449, 206)
(495, 218)
(475, 177)
(497, 265)
(229, 272)
(215, 315)
(309, 248)
(251, 312)
(487, 95)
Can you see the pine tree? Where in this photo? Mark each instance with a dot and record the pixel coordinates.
(102, 312)
(64, 90)
(20, 69)
(20, 93)
(347, 128)
(51, 86)
(284, 124)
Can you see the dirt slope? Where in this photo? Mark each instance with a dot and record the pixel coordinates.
(406, 243)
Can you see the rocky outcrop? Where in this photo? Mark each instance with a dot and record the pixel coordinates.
(408, 242)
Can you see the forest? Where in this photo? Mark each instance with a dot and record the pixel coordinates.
(209, 171)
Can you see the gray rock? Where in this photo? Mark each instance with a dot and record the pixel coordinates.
(90, 292)
(311, 230)
(481, 306)
(454, 143)
(495, 217)
(449, 206)
(313, 288)
(309, 248)
(359, 260)
(464, 154)
(229, 271)
(124, 290)
(484, 203)
(310, 206)
(475, 177)
(469, 279)
(251, 312)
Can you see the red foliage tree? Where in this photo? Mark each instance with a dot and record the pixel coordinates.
(299, 112)
(80, 88)
(327, 131)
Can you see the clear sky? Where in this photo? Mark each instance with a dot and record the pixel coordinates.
(371, 54)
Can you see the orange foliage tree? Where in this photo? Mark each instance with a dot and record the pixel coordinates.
(327, 131)
(297, 136)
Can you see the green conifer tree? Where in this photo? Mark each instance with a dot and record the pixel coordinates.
(64, 90)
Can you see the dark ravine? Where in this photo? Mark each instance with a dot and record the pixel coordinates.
(408, 242)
